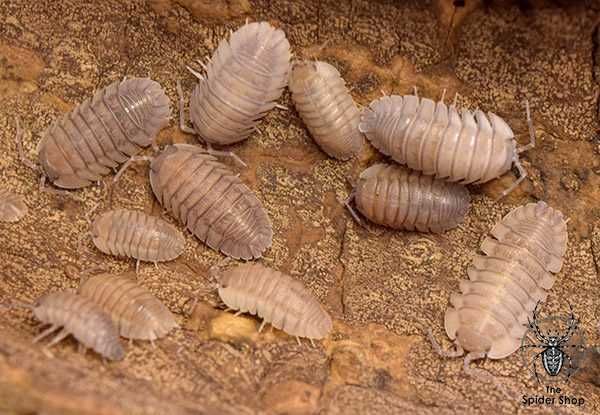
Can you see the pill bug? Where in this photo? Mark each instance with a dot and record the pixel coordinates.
(136, 313)
(244, 78)
(103, 131)
(12, 206)
(437, 140)
(392, 196)
(80, 317)
(326, 107)
(134, 234)
(489, 317)
(277, 298)
(210, 201)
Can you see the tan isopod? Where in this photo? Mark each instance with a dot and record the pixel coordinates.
(489, 317)
(80, 317)
(392, 196)
(277, 298)
(244, 79)
(103, 131)
(326, 107)
(12, 206)
(438, 140)
(137, 314)
(210, 201)
(134, 234)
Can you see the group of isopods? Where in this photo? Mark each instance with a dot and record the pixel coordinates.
(242, 82)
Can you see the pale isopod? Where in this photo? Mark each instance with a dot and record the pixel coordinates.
(135, 311)
(12, 206)
(210, 201)
(489, 317)
(244, 78)
(277, 298)
(103, 131)
(134, 234)
(391, 196)
(437, 140)
(326, 107)
(80, 317)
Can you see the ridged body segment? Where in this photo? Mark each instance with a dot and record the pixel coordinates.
(103, 131)
(326, 107)
(391, 196)
(275, 297)
(244, 78)
(136, 313)
(490, 314)
(211, 201)
(80, 317)
(12, 206)
(438, 140)
(134, 234)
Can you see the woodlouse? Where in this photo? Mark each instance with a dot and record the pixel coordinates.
(211, 201)
(277, 298)
(103, 131)
(12, 206)
(134, 234)
(80, 317)
(437, 140)
(244, 78)
(488, 318)
(134, 310)
(326, 107)
(391, 196)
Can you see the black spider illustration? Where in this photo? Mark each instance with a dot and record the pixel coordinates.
(554, 346)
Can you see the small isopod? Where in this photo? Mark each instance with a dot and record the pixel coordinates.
(12, 206)
(244, 79)
(134, 234)
(437, 140)
(134, 310)
(80, 317)
(391, 196)
(490, 315)
(325, 105)
(100, 133)
(275, 297)
(210, 201)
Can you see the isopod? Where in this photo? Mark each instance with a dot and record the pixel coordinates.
(210, 201)
(12, 206)
(136, 313)
(437, 140)
(134, 234)
(100, 133)
(80, 317)
(326, 107)
(277, 298)
(391, 196)
(244, 78)
(490, 315)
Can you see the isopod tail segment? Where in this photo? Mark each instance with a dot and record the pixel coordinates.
(189, 130)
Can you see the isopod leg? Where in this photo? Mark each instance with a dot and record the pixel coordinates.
(312, 343)
(182, 126)
(262, 325)
(298, 340)
(282, 107)
(531, 131)
(238, 313)
(481, 374)
(45, 333)
(444, 353)
(46, 189)
(348, 204)
(137, 266)
(522, 176)
(58, 338)
(231, 154)
(194, 72)
(19, 139)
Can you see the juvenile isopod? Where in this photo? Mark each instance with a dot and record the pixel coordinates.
(275, 297)
(437, 140)
(134, 234)
(12, 206)
(391, 196)
(210, 201)
(137, 314)
(84, 145)
(326, 107)
(244, 79)
(490, 315)
(80, 317)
